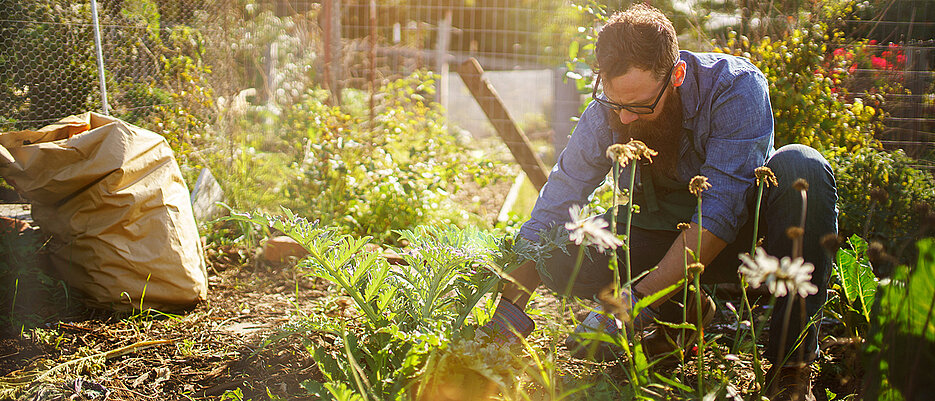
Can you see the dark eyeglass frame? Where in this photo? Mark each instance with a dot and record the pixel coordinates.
(616, 107)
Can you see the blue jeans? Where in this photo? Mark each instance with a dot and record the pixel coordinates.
(781, 209)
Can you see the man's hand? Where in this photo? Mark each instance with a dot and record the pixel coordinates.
(672, 266)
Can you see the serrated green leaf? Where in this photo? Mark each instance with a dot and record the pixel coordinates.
(856, 275)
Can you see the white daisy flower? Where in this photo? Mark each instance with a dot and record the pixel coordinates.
(590, 230)
(781, 276)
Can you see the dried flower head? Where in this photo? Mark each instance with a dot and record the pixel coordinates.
(795, 232)
(921, 209)
(615, 305)
(876, 252)
(781, 276)
(695, 268)
(879, 195)
(590, 230)
(800, 185)
(633, 150)
(698, 184)
(683, 226)
(764, 175)
(831, 242)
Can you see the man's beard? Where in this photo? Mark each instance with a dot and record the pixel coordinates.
(662, 134)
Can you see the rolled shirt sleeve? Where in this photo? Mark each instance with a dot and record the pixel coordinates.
(580, 169)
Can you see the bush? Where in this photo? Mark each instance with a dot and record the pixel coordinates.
(883, 198)
(810, 102)
(368, 178)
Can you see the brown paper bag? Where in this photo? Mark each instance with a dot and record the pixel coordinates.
(112, 196)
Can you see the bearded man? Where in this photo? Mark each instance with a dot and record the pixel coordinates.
(708, 115)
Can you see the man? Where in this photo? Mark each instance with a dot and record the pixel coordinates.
(705, 114)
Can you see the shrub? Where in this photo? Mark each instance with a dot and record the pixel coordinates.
(882, 197)
(370, 178)
(810, 102)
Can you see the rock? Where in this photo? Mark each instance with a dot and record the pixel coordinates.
(279, 249)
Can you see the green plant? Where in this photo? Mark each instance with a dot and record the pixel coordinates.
(409, 310)
(367, 178)
(881, 197)
(854, 286)
(901, 345)
(808, 106)
(22, 280)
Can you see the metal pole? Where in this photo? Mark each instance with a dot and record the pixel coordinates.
(100, 58)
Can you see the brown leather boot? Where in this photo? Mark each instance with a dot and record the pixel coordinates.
(789, 383)
(662, 342)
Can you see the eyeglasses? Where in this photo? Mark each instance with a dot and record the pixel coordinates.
(616, 107)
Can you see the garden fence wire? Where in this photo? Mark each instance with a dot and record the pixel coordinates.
(157, 54)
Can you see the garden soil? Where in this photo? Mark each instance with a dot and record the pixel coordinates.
(220, 345)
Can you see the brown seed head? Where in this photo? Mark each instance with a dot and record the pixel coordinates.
(879, 195)
(921, 209)
(795, 232)
(695, 268)
(831, 242)
(612, 304)
(698, 185)
(877, 254)
(765, 176)
(619, 153)
(633, 150)
(683, 226)
(929, 220)
(800, 185)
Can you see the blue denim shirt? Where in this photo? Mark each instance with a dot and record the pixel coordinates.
(729, 133)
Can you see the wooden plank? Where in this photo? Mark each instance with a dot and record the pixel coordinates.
(488, 99)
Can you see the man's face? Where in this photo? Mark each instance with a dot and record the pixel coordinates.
(638, 87)
(662, 129)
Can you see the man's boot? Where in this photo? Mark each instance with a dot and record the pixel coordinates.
(507, 325)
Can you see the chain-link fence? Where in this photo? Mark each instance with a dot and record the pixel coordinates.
(201, 56)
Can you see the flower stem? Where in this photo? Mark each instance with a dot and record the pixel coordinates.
(613, 229)
(626, 252)
(574, 272)
(700, 328)
(699, 325)
(743, 281)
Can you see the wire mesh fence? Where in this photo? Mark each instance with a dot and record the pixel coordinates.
(204, 56)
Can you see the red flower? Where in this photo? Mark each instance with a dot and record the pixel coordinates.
(852, 68)
(873, 42)
(839, 51)
(878, 62)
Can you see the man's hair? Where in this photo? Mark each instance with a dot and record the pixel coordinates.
(641, 37)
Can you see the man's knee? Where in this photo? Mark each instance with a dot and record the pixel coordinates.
(796, 161)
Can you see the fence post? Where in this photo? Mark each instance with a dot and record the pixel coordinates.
(489, 101)
(100, 58)
(565, 104)
(441, 58)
